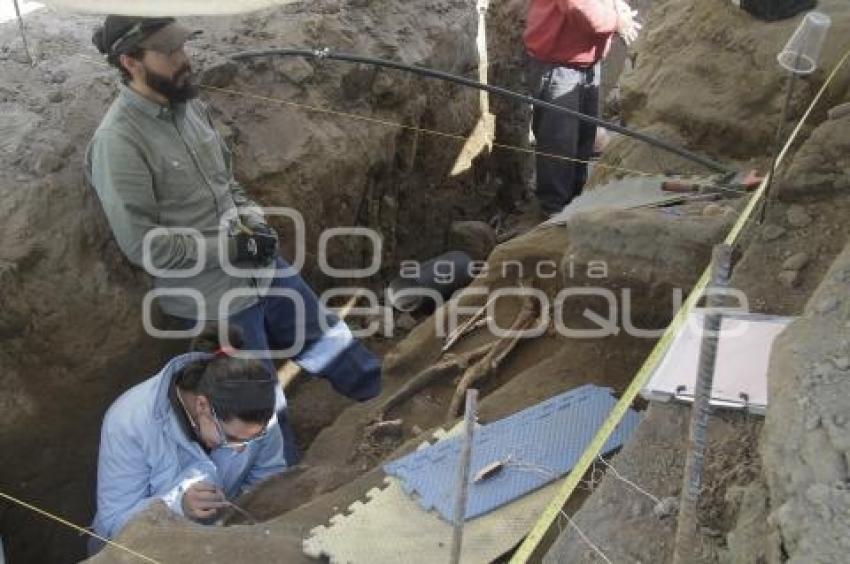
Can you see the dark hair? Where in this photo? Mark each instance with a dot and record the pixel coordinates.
(120, 35)
(114, 57)
(136, 53)
(229, 383)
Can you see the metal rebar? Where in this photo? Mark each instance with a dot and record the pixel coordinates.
(777, 144)
(463, 474)
(23, 32)
(322, 54)
(687, 537)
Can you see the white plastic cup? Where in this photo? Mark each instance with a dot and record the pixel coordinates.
(800, 55)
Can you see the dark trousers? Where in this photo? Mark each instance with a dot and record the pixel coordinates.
(271, 324)
(560, 180)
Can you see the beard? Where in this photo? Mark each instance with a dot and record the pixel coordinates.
(176, 89)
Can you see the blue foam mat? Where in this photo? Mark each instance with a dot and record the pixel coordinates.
(538, 445)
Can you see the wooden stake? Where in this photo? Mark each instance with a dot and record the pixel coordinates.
(23, 33)
(462, 493)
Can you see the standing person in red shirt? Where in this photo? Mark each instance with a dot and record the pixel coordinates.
(565, 41)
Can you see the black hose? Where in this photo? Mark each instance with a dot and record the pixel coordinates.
(504, 92)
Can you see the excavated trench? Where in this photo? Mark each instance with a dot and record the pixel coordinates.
(69, 309)
(70, 303)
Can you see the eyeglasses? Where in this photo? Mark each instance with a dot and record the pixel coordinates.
(235, 443)
(226, 440)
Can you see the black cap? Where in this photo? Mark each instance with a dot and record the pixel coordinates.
(120, 34)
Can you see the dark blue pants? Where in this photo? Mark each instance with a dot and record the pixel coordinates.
(271, 324)
(560, 180)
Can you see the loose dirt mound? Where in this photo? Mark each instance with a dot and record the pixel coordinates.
(706, 76)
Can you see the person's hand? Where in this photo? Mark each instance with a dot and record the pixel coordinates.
(267, 241)
(256, 246)
(265, 237)
(203, 500)
(243, 249)
(628, 26)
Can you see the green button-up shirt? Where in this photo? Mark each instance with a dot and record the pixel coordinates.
(166, 167)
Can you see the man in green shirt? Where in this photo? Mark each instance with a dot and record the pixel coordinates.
(165, 180)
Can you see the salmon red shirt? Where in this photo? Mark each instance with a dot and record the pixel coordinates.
(570, 32)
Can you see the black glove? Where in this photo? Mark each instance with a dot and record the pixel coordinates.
(266, 241)
(253, 247)
(243, 249)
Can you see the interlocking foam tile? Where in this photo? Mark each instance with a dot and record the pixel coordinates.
(537, 446)
(740, 371)
(391, 528)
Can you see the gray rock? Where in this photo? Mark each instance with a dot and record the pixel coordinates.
(713, 210)
(357, 82)
(772, 232)
(842, 363)
(474, 238)
(55, 97)
(295, 70)
(827, 305)
(388, 89)
(328, 7)
(219, 75)
(666, 507)
(798, 216)
(789, 278)
(48, 162)
(796, 261)
(842, 275)
(406, 321)
(818, 493)
(812, 422)
(58, 77)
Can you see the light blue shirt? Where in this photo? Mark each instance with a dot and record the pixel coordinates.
(145, 455)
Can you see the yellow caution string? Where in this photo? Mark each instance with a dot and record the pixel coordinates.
(530, 548)
(393, 124)
(83, 530)
(434, 132)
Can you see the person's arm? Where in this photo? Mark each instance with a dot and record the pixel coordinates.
(123, 481)
(269, 460)
(602, 15)
(124, 184)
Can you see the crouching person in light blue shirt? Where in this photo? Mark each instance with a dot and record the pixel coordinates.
(197, 434)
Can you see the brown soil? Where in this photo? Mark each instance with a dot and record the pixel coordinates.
(703, 78)
(344, 459)
(70, 319)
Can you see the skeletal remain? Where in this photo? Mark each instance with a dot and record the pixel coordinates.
(468, 326)
(449, 365)
(525, 319)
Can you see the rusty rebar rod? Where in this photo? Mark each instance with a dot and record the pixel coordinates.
(687, 531)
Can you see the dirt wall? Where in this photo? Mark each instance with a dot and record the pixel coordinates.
(806, 443)
(70, 307)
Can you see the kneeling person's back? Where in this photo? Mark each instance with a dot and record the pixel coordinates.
(197, 434)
